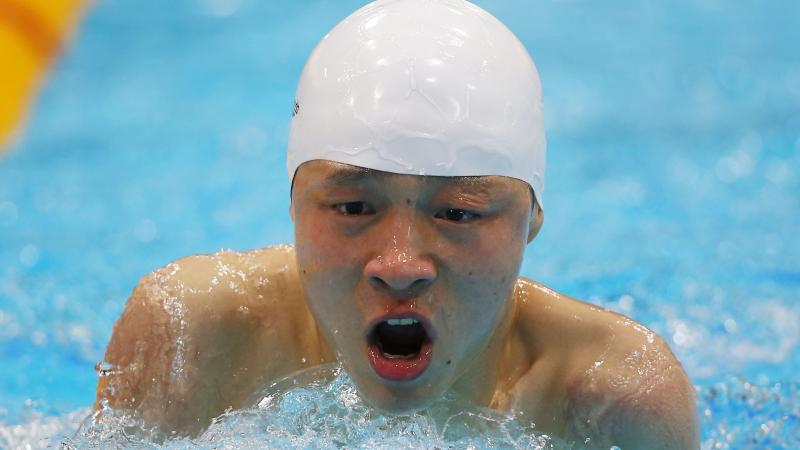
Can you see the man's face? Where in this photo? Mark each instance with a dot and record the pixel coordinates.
(408, 276)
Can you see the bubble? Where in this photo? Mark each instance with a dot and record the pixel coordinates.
(29, 255)
(778, 171)
(684, 335)
(626, 303)
(736, 165)
(76, 333)
(145, 231)
(249, 140)
(9, 327)
(38, 338)
(738, 414)
(221, 8)
(730, 325)
(41, 431)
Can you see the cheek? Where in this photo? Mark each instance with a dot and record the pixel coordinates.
(321, 247)
(323, 274)
(495, 253)
(329, 267)
(483, 273)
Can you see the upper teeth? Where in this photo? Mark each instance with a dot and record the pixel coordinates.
(405, 321)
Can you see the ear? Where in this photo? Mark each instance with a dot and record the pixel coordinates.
(537, 219)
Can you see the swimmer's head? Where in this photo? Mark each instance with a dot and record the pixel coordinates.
(422, 87)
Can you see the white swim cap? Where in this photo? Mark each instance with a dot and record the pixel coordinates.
(423, 87)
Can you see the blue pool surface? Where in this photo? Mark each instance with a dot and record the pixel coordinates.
(673, 184)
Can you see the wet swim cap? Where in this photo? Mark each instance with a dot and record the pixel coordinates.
(423, 87)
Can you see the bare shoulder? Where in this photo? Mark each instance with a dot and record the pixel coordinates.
(224, 275)
(617, 381)
(223, 289)
(199, 334)
(203, 289)
(554, 321)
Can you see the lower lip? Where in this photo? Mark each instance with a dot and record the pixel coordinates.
(399, 369)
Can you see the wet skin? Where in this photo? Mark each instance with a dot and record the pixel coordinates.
(204, 333)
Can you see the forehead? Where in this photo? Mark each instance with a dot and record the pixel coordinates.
(321, 173)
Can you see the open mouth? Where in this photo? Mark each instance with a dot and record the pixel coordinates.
(399, 348)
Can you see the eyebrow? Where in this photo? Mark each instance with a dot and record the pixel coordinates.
(468, 181)
(350, 175)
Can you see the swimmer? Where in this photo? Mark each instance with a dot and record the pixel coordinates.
(416, 157)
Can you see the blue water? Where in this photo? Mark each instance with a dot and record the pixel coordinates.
(673, 183)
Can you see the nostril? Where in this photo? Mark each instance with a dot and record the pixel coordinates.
(400, 286)
(377, 282)
(420, 284)
(405, 278)
(400, 270)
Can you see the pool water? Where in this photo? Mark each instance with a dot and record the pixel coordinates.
(673, 189)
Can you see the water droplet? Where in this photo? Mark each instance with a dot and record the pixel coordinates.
(104, 369)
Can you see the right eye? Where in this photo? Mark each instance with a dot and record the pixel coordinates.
(354, 208)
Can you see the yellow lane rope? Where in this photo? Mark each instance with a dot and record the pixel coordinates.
(32, 33)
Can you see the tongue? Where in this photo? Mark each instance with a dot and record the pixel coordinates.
(400, 340)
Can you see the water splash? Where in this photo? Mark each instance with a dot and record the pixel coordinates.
(320, 408)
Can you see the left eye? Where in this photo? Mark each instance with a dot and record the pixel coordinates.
(457, 215)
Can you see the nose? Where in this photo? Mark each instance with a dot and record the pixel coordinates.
(401, 267)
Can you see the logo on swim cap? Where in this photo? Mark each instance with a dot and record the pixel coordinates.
(423, 87)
